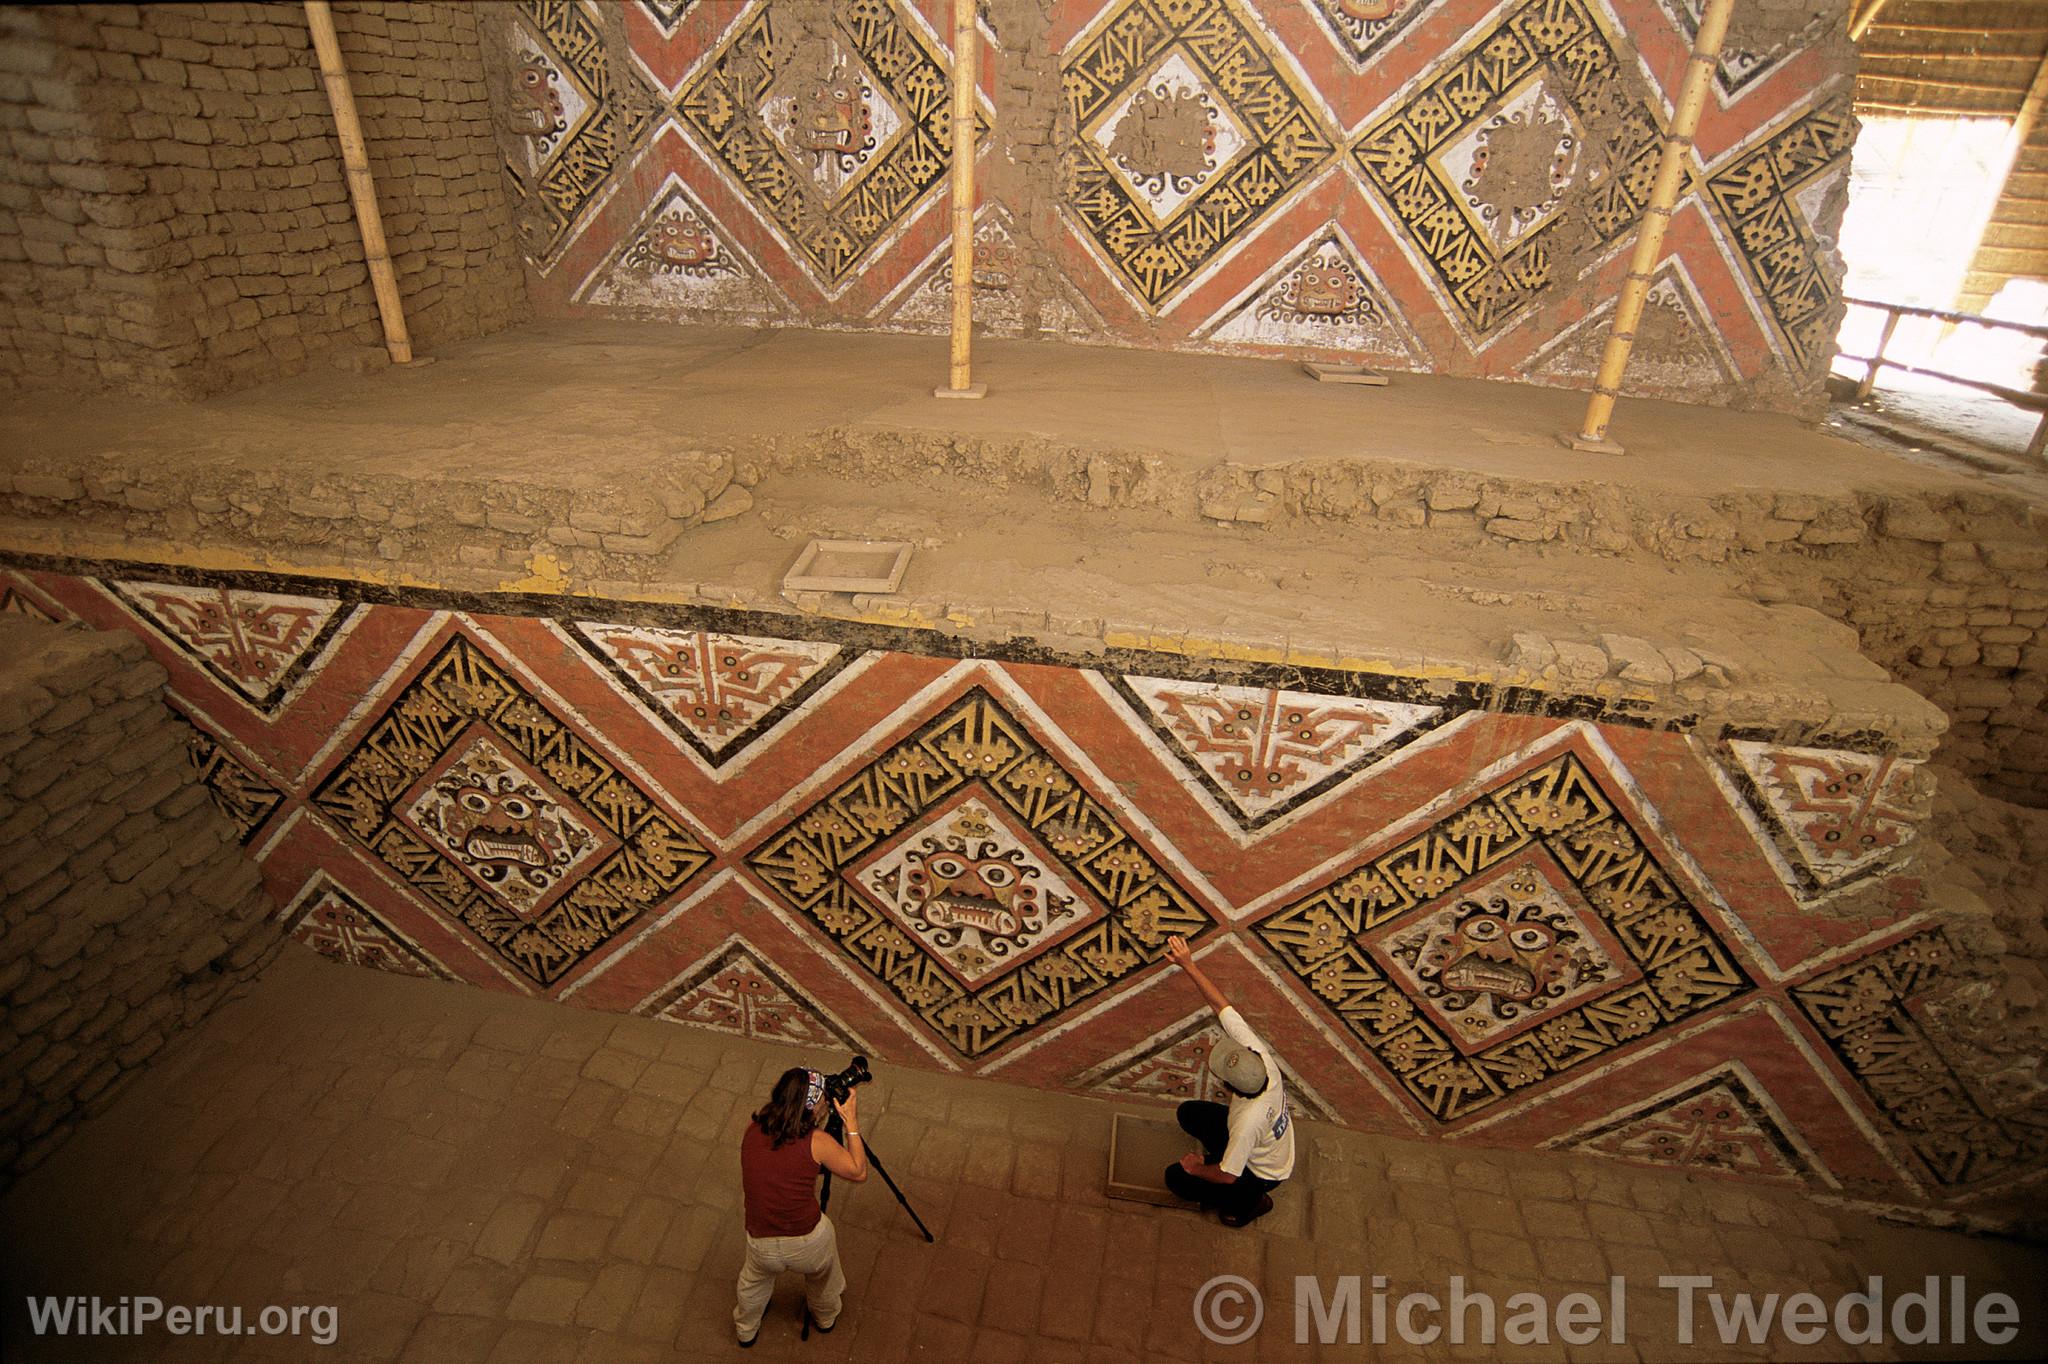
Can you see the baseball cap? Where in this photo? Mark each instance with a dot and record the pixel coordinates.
(1237, 1066)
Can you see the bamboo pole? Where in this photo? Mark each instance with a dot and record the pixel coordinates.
(2022, 129)
(1869, 379)
(362, 190)
(1628, 309)
(961, 383)
(1860, 25)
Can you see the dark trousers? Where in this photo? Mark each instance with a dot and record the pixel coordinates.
(1209, 1124)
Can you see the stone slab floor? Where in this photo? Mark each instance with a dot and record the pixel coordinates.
(470, 1176)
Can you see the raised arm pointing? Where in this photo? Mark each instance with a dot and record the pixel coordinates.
(1184, 958)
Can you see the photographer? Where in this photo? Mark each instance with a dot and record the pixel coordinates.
(1247, 1148)
(780, 1157)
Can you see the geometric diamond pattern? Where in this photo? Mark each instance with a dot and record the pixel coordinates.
(1527, 926)
(735, 991)
(13, 601)
(343, 929)
(1678, 353)
(1719, 1122)
(1323, 297)
(1173, 1065)
(748, 161)
(717, 691)
(1365, 28)
(572, 116)
(1265, 751)
(245, 798)
(837, 153)
(474, 792)
(1124, 904)
(675, 258)
(1761, 194)
(1186, 132)
(1559, 822)
(1835, 816)
(1871, 1014)
(1541, 55)
(1743, 66)
(259, 643)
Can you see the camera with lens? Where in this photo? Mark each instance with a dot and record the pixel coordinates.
(841, 1085)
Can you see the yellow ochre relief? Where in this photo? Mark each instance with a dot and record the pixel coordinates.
(544, 573)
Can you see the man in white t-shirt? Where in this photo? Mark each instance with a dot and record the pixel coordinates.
(1248, 1147)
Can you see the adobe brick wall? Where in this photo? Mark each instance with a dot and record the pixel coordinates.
(174, 217)
(127, 907)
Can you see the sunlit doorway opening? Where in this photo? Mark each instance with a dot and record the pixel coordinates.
(1921, 191)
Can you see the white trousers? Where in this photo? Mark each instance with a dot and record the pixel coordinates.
(815, 1255)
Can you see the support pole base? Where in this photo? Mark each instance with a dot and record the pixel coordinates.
(1343, 374)
(1590, 445)
(971, 391)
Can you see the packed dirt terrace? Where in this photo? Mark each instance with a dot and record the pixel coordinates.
(1104, 498)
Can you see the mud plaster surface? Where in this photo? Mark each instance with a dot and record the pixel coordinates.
(1074, 492)
(618, 394)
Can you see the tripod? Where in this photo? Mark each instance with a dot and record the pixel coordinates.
(835, 1127)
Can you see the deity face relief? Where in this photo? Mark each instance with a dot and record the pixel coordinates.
(680, 243)
(1524, 162)
(972, 886)
(1499, 958)
(1323, 290)
(1492, 956)
(831, 117)
(500, 828)
(993, 262)
(540, 113)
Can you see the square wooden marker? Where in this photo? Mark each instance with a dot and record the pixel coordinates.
(1343, 374)
(1140, 1149)
(849, 566)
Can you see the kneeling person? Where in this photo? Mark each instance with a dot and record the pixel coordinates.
(1248, 1147)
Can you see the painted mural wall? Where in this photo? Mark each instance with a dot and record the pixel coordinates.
(1457, 913)
(1436, 185)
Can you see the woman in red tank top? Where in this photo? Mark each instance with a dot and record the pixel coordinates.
(780, 1156)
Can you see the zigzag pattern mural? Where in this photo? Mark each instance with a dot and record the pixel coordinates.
(1453, 913)
(1436, 185)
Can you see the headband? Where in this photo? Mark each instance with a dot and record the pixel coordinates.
(814, 1089)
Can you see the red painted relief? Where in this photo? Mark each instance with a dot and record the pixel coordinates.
(1489, 927)
(1439, 185)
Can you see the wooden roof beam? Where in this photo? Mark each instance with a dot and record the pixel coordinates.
(1865, 17)
(2022, 129)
